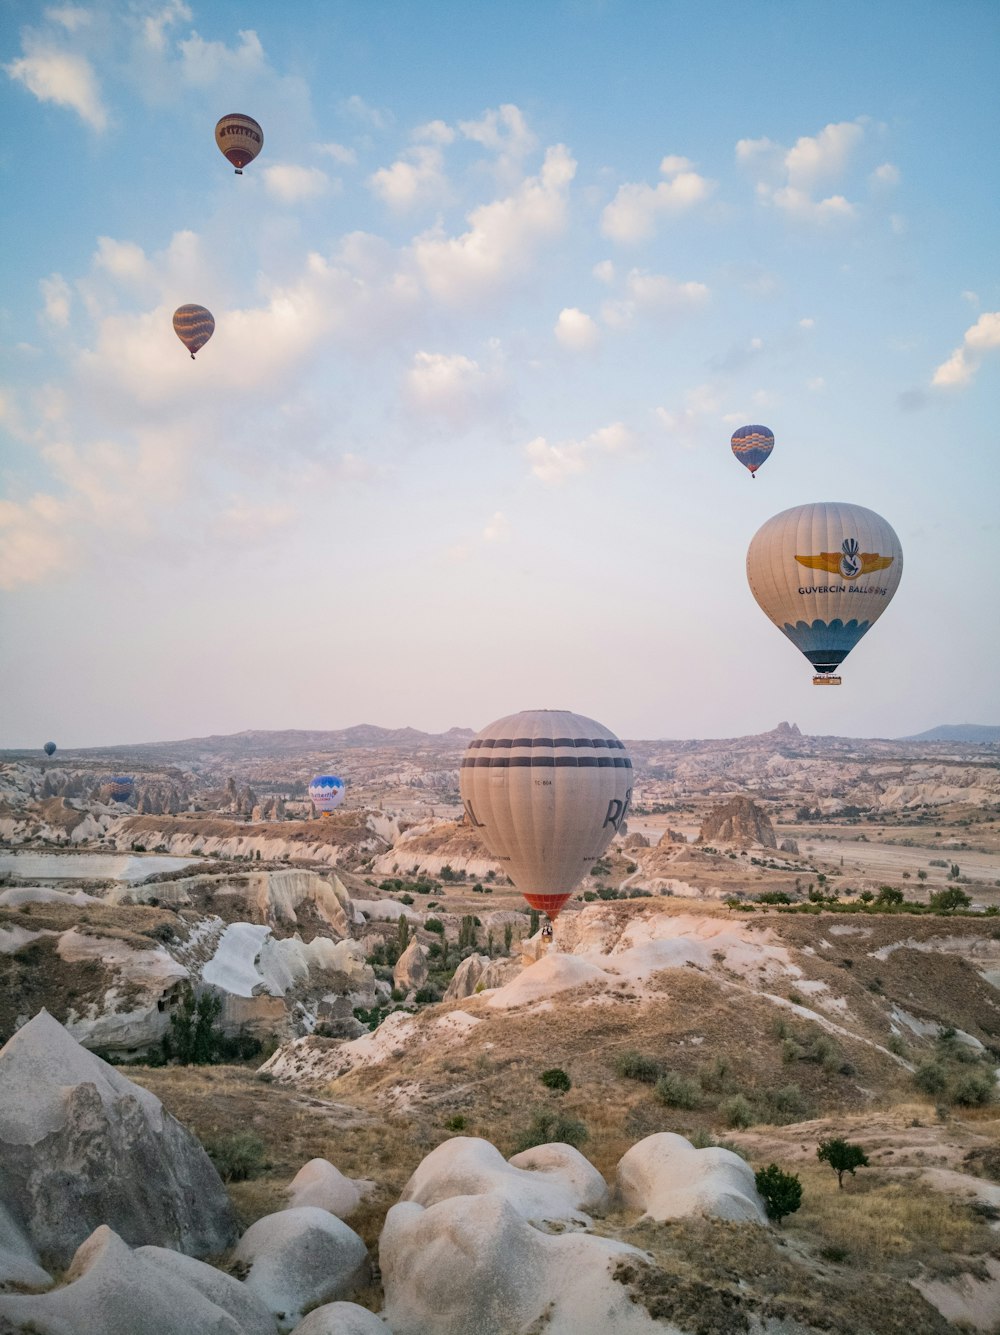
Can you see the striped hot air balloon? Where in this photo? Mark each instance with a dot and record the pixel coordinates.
(194, 326)
(239, 138)
(752, 445)
(119, 787)
(547, 791)
(824, 574)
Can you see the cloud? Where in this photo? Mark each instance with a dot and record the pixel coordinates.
(344, 157)
(206, 64)
(503, 236)
(57, 295)
(450, 387)
(697, 420)
(416, 179)
(604, 271)
(498, 528)
(358, 109)
(505, 132)
(63, 77)
(291, 184)
(633, 213)
(34, 540)
(555, 463)
(653, 294)
(70, 17)
(576, 330)
(154, 26)
(435, 132)
(960, 368)
(790, 180)
(885, 176)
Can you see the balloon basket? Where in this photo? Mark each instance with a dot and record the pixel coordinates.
(828, 681)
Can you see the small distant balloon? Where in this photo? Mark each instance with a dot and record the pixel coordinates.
(239, 138)
(326, 792)
(194, 326)
(120, 787)
(49, 748)
(752, 445)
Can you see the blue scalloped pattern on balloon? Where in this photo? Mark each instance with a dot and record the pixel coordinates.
(826, 641)
(327, 781)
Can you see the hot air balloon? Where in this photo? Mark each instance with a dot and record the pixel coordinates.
(194, 326)
(824, 574)
(752, 445)
(326, 792)
(119, 787)
(240, 139)
(49, 748)
(547, 791)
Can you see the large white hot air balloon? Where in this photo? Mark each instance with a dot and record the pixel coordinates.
(824, 574)
(547, 791)
(326, 792)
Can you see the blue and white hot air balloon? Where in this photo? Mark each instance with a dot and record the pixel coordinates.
(120, 787)
(326, 792)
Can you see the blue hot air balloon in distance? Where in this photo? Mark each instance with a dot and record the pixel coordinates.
(120, 787)
(752, 445)
(49, 748)
(326, 792)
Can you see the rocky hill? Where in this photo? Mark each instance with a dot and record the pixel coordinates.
(739, 821)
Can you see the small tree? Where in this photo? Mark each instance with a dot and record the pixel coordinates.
(556, 1079)
(508, 937)
(842, 1156)
(402, 933)
(782, 1192)
(946, 901)
(534, 920)
(888, 895)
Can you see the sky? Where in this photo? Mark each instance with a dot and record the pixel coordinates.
(489, 305)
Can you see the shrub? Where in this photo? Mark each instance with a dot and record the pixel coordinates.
(737, 1111)
(676, 1091)
(434, 925)
(456, 1123)
(717, 1077)
(549, 1128)
(842, 1156)
(556, 1079)
(974, 1089)
(634, 1065)
(238, 1157)
(782, 1192)
(931, 1077)
(946, 901)
(786, 1103)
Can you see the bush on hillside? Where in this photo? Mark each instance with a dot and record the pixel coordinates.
(782, 1192)
(632, 1065)
(551, 1128)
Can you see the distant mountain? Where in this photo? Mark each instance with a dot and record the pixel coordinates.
(982, 733)
(288, 742)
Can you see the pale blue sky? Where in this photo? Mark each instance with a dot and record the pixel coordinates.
(489, 306)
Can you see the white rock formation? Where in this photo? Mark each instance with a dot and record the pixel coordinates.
(83, 1146)
(466, 977)
(468, 1166)
(18, 1258)
(319, 1184)
(568, 1167)
(341, 1319)
(299, 1258)
(665, 1177)
(411, 970)
(111, 1290)
(475, 1264)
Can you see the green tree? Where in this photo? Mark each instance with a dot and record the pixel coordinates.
(534, 921)
(556, 1079)
(402, 933)
(782, 1192)
(946, 901)
(508, 937)
(842, 1156)
(192, 1040)
(888, 895)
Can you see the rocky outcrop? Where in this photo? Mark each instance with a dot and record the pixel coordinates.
(411, 969)
(318, 1183)
(108, 1286)
(665, 1177)
(341, 1319)
(466, 977)
(739, 821)
(81, 1146)
(299, 1258)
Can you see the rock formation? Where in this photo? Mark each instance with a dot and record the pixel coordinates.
(665, 1177)
(341, 1319)
(81, 1146)
(739, 821)
(411, 969)
(319, 1184)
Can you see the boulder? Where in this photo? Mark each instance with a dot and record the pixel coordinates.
(82, 1146)
(111, 1290)
(466, 976)
(738, 821)
(341, 1319)
(318, 1183)
(568, 1167)
(18, 1260)
(300, 1257)
(475, 1264)
(468, 1166)
(665, 1177)
(411, 969)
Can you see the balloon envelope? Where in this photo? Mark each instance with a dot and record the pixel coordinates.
(824, 574)
(49, 748)
(119, 787)
(547, 791)
(239, 138)
(752, 445)
(326, 792)
(194, 326)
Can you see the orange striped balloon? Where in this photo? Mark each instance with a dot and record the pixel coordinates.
(194, 326)
(239, 138)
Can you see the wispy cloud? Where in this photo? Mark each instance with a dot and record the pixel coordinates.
(556, 463)
(637, 207)
(960, 368)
